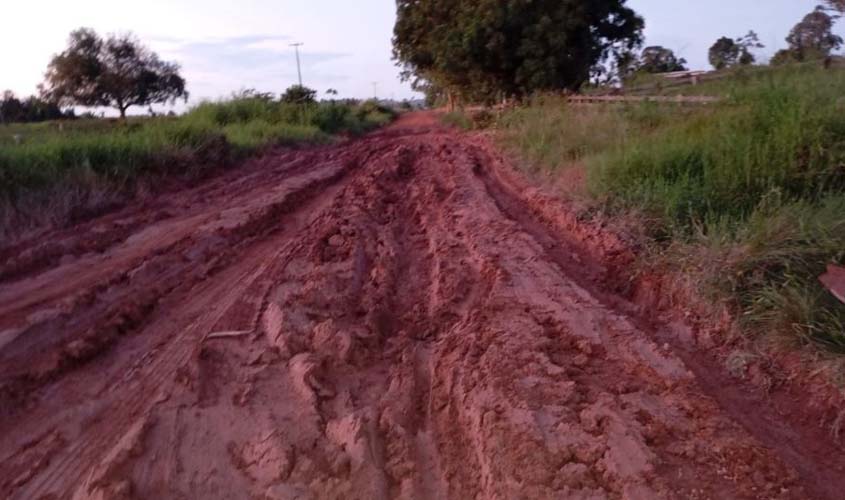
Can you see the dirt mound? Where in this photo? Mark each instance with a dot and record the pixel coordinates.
(377, 319)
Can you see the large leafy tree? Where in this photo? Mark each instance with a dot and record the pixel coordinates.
(727, 52)
(812, 38)
(483, 49)
(115, 72)
(657, 59)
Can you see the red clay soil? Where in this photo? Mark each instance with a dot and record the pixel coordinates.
(384, 318)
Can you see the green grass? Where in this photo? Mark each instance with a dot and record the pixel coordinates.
(78, 157)
(758, 180)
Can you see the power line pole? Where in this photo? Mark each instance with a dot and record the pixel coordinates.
(375, 90)
(296, 47)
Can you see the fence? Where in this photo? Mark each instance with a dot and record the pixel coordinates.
(621, 99)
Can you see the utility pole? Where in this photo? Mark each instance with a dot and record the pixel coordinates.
(375, 90)
(296, 47)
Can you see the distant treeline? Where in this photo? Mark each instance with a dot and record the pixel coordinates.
(30, 109)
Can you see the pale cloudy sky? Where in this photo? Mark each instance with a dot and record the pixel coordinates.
(226, 45)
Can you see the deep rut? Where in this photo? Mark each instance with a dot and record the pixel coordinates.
(383, 318)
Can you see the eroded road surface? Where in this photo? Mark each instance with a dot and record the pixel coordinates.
(377, 319)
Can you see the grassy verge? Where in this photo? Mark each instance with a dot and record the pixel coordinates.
(748, 194)
(53, 172)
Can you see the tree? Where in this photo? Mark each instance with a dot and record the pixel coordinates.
(299, 94)
(781, 57)
(746, 43)
(116, 72)
(657, 59)
(11, 108)
(727, 52)
(836, 5)
(616, 69)
(31, 109)
(811, 39)
(724, 53)
(487, 49)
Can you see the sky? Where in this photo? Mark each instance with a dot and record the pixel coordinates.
(224, 45)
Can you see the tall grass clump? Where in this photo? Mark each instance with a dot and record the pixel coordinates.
(557, 134)
(783, 133)
(762, 173)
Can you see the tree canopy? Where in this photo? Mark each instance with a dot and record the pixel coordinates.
(116, 72)
(31, 109)
(727, 52)
(657, 59)
(724, 53)
(812, 38)
(837, 5)
(481, 49)
(299, 94)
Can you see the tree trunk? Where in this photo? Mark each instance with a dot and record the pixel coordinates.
(122, 112)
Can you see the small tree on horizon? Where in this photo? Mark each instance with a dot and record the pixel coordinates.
(811, 39)
(117, 72)
(724, 53)
(728, 52)
(657, 59)
(299, 94)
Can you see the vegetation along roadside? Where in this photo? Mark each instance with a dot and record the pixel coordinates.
(747, 195)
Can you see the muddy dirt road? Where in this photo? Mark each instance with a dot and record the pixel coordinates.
(383, 318)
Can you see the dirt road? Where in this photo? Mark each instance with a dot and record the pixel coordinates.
(384, 318)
